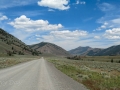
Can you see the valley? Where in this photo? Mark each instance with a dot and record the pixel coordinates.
(91, 68)
(59, 44)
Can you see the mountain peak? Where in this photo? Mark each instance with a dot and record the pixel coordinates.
(80, 50)
(50, 48)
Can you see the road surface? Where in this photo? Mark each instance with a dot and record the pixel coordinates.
(36, 75)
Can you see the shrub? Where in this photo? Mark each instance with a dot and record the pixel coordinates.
(111, 60)
(9, 53)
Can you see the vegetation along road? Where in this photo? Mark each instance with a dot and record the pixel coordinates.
(36, 75)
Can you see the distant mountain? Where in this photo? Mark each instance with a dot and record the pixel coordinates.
(80, 50)
(111, 51)
(49, 48)
(11, 45)
(93, 52)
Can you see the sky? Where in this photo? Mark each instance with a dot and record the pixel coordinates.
(67, 23)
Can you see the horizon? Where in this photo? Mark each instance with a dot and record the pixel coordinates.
(64, 48)
(66, 23)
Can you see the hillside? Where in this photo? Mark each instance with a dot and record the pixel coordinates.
(10, 45)
(49, 48)
(80, 50)
(111, 51)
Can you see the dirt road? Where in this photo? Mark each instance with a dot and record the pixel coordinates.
(36, 75)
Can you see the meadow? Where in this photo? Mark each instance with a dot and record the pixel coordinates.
(7, 61)
(96, 73)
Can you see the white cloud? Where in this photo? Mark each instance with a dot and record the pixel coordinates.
(111, 19)
(106, 7)
(55, 4)
(80, 2)
(110, 24)
(66, 34)
(97, 37)
(104, 26)
(64, 38)
(72, 39)
(113, 37)
(27, 24)
(37, 35)
(77, 2)
(3, 18)
(112, 33)
(116, 21)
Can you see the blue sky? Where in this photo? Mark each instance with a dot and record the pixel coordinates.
(67, 23)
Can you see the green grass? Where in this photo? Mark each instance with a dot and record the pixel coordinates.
(86, 72)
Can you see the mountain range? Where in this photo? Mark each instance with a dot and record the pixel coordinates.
(10, 45)
(111, 51)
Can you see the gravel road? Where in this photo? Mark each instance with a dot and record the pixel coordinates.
(36, 75)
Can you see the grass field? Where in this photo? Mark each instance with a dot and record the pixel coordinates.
(10, 61)
(97, 74)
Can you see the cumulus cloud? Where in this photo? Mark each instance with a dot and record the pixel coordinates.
(112, 33)
(3, 18)
(64, 38)
(63, 35)
(104, 26)
(67, 39)
(55, 4)
(66, 34)
(27, 24)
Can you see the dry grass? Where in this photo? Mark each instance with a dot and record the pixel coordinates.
(10, 61)
(93, 74)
